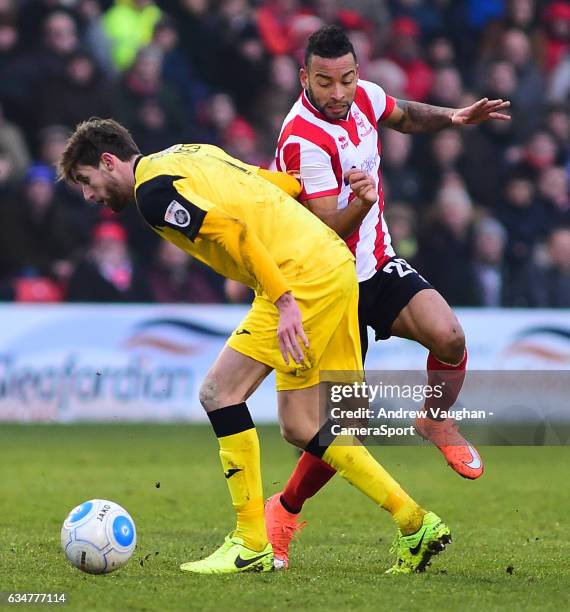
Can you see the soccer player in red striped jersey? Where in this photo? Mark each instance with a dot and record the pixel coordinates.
(330, 141)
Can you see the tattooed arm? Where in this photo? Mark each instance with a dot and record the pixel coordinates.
(417, 118)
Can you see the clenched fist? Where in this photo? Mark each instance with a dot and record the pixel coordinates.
(363, 185)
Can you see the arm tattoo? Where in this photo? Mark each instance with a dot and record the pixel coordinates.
(421, 118)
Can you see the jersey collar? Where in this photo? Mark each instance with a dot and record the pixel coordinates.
(137, 160)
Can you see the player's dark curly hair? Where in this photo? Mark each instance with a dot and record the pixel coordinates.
(330, 41)
(90, 140)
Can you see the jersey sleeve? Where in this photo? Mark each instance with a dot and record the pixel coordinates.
(382, 103)
(286, 182)
(312, 164)
(243, 245)
(163, 203)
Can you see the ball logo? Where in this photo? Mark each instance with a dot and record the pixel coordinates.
(123, 530)
(176, 214)
(103, 512)
(78, 513)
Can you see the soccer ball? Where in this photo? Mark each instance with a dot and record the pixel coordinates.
(98, 536)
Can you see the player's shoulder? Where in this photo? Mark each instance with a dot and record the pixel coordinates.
(373, 100)
(162, 205)
(370, 86)
(155, 171)
(150, 166)
(155, 175)
(154, 190)
(372, 90)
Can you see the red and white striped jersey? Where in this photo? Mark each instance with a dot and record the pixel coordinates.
(321, 150)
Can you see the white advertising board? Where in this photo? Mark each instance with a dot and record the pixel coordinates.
(145, 363)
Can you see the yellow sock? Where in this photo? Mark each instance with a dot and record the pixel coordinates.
(240, 460)
(404, 510)
(355, 464)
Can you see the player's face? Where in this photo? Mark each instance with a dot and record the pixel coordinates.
(331, 84)
(104, 186)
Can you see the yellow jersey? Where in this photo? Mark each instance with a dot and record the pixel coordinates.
(235, 218)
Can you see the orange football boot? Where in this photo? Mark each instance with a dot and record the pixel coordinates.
(458, 453)
(281, 528)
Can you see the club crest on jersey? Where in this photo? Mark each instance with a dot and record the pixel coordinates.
(363, 129)
(177, 214)
(343, 142)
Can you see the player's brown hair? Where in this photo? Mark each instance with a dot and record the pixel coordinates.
(90, 140)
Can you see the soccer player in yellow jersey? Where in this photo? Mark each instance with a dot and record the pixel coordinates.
(238, 219)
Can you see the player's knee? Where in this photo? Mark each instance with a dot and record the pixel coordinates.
(449, 345)
(294, 435)
(209, 395)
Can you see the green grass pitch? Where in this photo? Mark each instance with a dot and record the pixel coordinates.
(511, 529)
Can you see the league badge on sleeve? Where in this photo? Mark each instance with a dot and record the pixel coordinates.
(176, 214)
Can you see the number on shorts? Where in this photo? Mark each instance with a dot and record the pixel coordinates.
(402, 267)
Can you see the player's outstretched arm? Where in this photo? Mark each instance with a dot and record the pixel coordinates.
(417, 118)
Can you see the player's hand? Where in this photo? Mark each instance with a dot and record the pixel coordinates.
(480, 111)
(363, 186)
(290, 329)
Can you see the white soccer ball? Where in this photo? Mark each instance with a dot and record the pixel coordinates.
(98, 536)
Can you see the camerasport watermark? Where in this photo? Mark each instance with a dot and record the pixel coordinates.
(385, 431)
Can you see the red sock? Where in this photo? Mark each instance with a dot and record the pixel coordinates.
(311, 474)
(450, 377)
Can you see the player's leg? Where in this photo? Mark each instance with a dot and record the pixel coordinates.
(397, 301)
(311, 474)
(300, 419)
(301, 409)
(229, 383)
(421, 534)
(429, 320)
(381, 299)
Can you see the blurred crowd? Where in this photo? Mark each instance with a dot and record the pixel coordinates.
(483, 213)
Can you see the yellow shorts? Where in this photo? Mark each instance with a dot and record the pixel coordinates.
(329, 307)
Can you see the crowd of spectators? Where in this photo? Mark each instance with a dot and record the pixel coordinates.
(483, 212)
